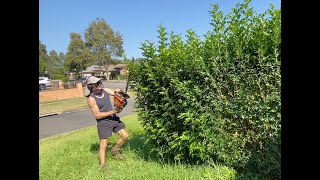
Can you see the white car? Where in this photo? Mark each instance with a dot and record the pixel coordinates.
(44, 82)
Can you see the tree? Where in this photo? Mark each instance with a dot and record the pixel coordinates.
(116, 61)
(78, 56)
(43, 59)
(103, 42)
(53, 63)
(62, 58)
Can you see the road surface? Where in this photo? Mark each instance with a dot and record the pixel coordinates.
(70, 121)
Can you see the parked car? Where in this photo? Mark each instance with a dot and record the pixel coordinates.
(82, 80)
(44, 82)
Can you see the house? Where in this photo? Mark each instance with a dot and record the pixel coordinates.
(121, 69)
(94, 70)
(115, 69)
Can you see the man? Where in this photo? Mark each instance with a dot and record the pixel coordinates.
(107, 120)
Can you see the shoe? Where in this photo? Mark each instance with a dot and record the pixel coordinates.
(103, 167)
(116, 153)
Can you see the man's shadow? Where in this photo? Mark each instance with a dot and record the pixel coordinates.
(136, 143)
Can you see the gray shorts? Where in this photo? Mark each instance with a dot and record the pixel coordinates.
(106, 127)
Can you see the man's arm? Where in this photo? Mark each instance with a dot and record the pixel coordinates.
(111, 92)
(95, 109)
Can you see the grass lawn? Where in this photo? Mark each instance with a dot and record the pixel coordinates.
(62, 105)
(74, 155)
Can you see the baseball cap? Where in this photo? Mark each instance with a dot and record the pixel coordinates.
(90, 80)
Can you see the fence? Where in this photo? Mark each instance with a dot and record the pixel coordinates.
(60, 85)
(61, 92)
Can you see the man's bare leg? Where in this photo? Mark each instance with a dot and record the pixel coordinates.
(123, 137)
(102, 152)
(115, 151)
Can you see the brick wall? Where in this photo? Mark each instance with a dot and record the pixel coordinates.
(61, 94)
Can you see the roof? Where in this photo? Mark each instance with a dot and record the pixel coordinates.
(95, 68)
(121, 67)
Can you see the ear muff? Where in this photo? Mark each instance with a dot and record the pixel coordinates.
(89, 85)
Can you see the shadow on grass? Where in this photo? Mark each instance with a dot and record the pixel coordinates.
(136, 143)
(94, 147)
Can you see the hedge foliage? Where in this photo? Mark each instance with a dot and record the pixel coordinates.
(216, 99)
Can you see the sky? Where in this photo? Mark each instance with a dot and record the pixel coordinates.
(136, 20)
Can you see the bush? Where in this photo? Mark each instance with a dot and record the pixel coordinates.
(216, 99)
(60, 77)
(113, 75)
(122, 77)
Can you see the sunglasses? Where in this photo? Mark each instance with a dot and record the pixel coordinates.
(99, 83)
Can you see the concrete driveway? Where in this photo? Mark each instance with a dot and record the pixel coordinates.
(70, 121)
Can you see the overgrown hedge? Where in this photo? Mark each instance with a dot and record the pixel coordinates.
(218, 98)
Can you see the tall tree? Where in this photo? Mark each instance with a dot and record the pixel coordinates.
(103, 42)
(116, 61)
(78, 56)
(62, 58)
(43, 59)
(54, 63)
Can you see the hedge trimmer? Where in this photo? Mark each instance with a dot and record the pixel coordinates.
(120, 100)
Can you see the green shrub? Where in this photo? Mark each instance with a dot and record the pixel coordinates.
(60, 77)
(122, 77)
(112, 75)
(216, 99)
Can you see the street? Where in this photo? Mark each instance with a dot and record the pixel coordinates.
(113, 85)
(70, 121)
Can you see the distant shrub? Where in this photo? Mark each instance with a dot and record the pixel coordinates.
(122, 77)
(112, 75)
(61, 77)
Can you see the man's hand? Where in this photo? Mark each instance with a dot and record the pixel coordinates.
(117, 90)
(117, 110)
